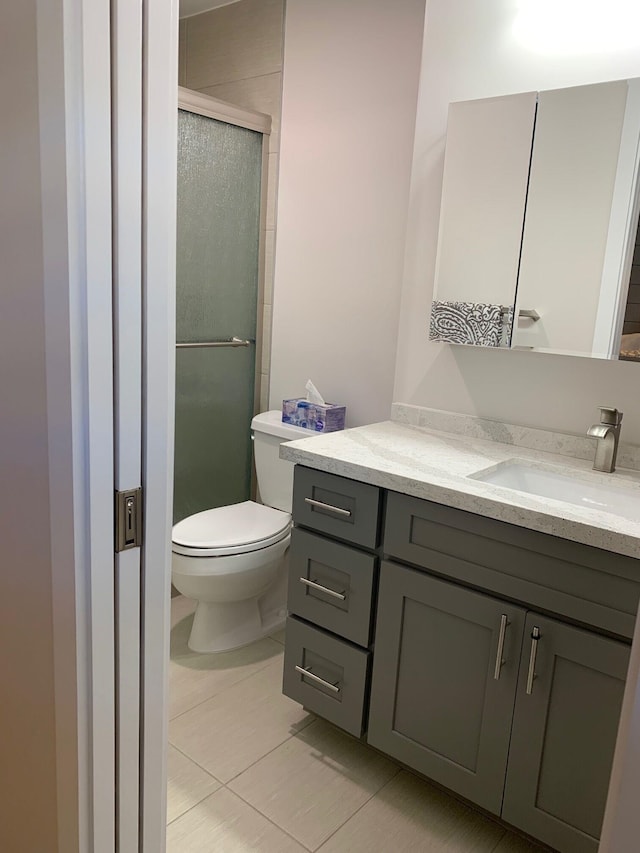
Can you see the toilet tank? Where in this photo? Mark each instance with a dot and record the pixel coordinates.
(275, 475)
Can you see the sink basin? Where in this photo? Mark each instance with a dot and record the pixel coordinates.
(547, 483)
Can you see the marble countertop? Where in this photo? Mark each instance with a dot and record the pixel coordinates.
(439, 466)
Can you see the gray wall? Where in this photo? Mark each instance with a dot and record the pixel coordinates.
(28, 822)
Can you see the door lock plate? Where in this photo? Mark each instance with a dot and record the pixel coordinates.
(128, 519)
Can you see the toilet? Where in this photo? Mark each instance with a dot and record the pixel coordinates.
(232, 559)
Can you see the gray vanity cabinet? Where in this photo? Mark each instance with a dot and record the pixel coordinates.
(433, 644)
(564, 733)
(471, 705)
(444, 681)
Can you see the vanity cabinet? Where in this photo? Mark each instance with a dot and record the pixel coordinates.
(333, 567)
(488, 657)
(564, 732)
(489, 703)
(444, 681)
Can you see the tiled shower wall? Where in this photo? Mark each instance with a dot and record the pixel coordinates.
(234, 53)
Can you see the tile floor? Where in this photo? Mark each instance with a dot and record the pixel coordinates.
(250, 770)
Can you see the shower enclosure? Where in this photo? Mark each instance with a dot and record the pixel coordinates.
(221, 180)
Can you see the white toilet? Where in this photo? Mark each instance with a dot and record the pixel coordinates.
(232, 559)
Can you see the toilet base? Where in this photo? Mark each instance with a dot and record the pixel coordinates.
(231, 625)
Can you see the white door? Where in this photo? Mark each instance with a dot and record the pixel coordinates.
(159, 167)
(126, 112)
(129, 806)
(144, 116)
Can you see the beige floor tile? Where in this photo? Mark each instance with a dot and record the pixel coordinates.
(512, 843)
(193, 678)
(224, 824)
(410, 816)
(279, 637)
(181, 608)
(314, 782)
(187, 784)
(231, 731)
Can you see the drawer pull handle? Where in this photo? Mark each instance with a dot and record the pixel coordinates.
(305, 672)
(504, 622)
(321, 588)
(535, 637)
(320, 505)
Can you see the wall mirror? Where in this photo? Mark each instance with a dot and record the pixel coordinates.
(538, 244)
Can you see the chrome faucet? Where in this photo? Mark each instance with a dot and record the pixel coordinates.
(608, 434)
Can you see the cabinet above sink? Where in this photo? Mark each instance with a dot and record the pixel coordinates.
(539, 222)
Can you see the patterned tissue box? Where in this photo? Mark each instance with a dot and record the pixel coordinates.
(300, 412)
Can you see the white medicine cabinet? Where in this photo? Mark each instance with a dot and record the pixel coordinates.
(539, 223)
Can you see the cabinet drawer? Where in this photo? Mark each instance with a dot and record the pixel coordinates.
(331, 585)
(337, 679)
(336, 506)
(582, 583)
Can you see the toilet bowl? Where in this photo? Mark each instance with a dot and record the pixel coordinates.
(233, 559)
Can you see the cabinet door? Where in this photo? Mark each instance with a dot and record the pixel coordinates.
(564, 734)
(444, 680)
(484, 191)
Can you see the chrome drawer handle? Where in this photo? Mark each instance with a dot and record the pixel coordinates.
(321, 588)
(535, 637)
(504, 622)
(306, 673)
(337, 509)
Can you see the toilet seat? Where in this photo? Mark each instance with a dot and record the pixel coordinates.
(226, 530)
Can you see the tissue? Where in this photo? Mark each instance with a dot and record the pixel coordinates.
(313, 395)
(312, 412)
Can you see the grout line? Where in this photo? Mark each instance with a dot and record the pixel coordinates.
(315, 719)
(253, 763)
(191, 807)
(257, 811)
(189, 758)
(266, 817)
(337, 829)
(500, 840)
(262, 667)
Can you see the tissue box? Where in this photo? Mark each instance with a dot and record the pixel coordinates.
(300, 412)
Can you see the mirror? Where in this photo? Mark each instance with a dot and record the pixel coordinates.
(539, 223)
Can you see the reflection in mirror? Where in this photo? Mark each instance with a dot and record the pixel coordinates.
(539, 219)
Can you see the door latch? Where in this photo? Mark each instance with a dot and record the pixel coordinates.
(128, 519)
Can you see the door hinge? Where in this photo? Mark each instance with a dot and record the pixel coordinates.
(128, 519)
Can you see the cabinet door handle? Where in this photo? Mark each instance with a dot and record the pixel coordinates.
(324, 589)
(320, 505)
(535, 637)
(305, 672)
(504, 622)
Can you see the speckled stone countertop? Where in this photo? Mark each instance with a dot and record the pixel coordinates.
(408, 455)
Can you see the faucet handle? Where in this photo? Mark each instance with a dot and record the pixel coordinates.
(610, 416)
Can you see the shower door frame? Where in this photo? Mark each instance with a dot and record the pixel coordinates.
(204, 105)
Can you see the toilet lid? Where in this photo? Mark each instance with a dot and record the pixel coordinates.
(233, 529)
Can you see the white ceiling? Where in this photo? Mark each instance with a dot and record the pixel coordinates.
(194, 7)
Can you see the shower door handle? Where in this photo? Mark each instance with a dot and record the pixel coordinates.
(232, 342)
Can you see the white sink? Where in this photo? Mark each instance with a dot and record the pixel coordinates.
(547, 483)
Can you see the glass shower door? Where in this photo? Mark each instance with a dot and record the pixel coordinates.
(219, 184)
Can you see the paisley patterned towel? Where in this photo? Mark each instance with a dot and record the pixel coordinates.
(476, 323)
